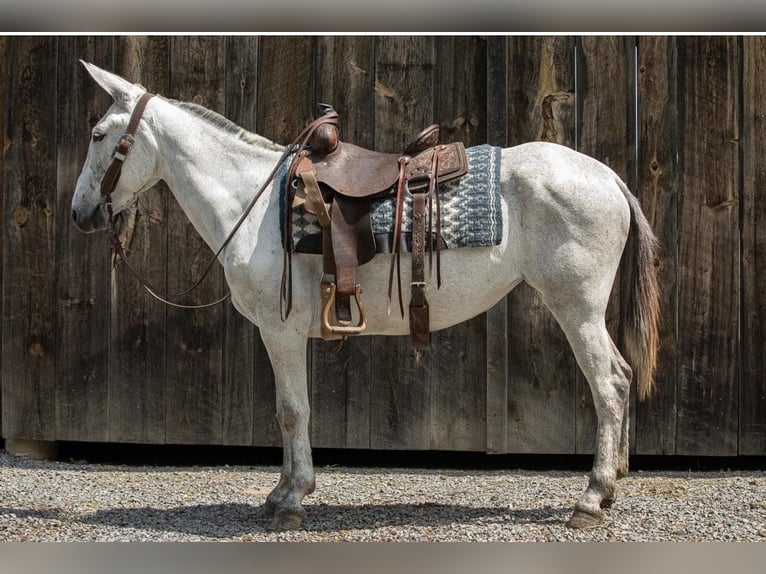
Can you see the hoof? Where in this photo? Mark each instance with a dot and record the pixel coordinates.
(585, 519)
(268, 510)
(286, 520)
(607, 503)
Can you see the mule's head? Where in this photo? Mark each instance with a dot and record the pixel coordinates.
(139, 171)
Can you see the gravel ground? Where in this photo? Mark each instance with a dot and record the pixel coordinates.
(58, 501)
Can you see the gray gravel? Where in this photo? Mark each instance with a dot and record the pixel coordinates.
(58, 501)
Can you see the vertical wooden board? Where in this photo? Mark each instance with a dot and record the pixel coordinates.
(82, 261)
(194, 338)
(458, 387)
(401, 386)
(752, 392)
(497, 317)
(657, 191)
(137, 357)
(285, 103)
(541, 366)
(345, 77)
(340, 402)
(239, 334)
(460, 88)
(29, 182)
(459, 354)
(3, 43)
(602, 79)
(708, 258)
(285, 86)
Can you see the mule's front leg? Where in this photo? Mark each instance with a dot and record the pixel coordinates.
(288, 358)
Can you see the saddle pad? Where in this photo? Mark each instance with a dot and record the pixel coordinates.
(470, 210)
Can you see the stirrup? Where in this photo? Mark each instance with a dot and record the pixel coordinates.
(335, 330)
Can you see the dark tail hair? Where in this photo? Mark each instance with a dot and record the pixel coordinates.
(641, 315)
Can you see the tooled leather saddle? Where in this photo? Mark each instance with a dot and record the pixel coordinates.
(335, 181)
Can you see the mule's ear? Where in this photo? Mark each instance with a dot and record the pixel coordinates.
(114, 85)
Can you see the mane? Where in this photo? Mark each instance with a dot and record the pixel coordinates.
(217, 120)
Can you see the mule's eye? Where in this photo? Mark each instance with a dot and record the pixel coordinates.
(97, 137)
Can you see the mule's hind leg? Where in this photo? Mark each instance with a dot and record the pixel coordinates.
(622, 463)
(283, 505)
(609, 377)
(622, 449)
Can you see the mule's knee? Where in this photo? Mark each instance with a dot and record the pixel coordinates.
(293, 416)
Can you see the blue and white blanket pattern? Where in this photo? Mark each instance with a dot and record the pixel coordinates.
(470, 207)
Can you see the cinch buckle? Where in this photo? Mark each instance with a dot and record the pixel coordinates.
(332, 330)
(123, 147)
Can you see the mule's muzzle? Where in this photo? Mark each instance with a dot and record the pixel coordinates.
(88, 222)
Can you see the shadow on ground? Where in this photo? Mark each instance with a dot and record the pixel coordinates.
(236, 519)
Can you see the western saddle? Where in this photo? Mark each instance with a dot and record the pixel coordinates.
(336, 181)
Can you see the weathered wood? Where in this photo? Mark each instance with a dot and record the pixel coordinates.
(497, 317)
(602, 81)
(3, 80)
(113, 385)
(458, 387)
(401, 386)
(82, 261)
(541, 366)
(29, 347)
(657, 190)
(194, 338)
(459, 354)
(239, 334)
(752, 391)
(138, 325)
(285, 104)
(285, 87)
(708, 258)
(340, 401)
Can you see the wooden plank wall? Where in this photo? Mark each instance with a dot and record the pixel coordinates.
(3, 44)
(87, 356)
(29, 241)
(752, 383)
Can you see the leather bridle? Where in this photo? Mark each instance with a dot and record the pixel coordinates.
(108, 185)
(112, 177)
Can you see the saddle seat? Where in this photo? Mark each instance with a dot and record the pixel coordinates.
(336, 180)
(354, 171)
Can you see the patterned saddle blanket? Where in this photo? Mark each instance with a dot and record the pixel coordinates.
(470, 210)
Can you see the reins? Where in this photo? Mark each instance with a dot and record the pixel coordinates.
(112, 176)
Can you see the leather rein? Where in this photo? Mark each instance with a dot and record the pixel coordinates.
(112, 177)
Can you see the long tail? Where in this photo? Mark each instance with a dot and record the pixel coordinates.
(641, 316)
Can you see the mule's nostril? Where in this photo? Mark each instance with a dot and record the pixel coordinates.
(74, 216)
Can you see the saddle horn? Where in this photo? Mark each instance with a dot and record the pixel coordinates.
(324, 139)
